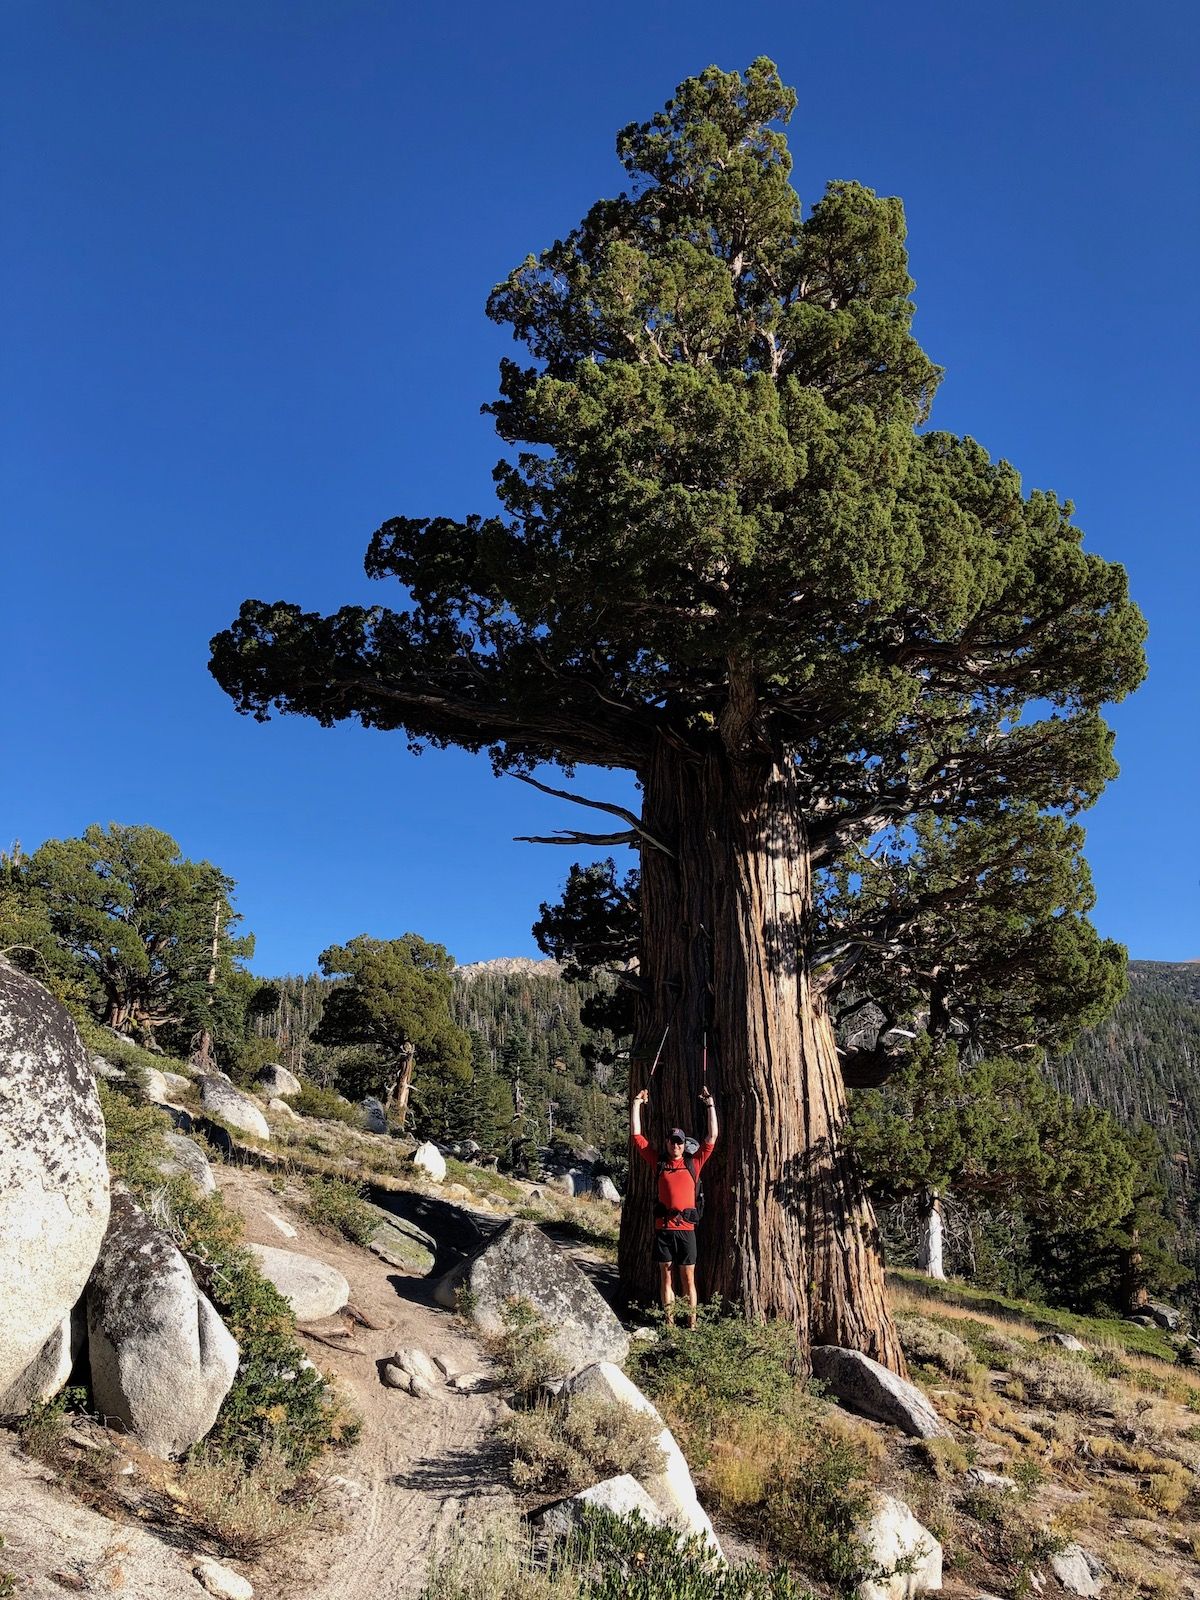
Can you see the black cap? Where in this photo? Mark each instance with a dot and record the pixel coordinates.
(677, 1133)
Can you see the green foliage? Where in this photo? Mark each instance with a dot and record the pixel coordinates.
(338, 1205)
(523, 1349)
(723, 529)
(128, 924)
(624, 1559)
(768, 1455)
(396, 995)
(41, 1429)
(560, 1446)
(325, 1104)
(275, 1400)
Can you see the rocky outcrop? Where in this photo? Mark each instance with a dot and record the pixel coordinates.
(605, 1189)
(187, 1158)
(671, 1487)
(893, 1538)
(402, 1244)
(1065, 1341)
(228, 1105)
(54, 1199)
(277, 1080)
(867, 1387)
(312, 1288)
(623, 1496)
(427, 1158)
(1166, 1316)
(162, 1360)
(518, 1261)
(281, 1108)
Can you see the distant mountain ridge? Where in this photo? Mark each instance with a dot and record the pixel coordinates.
(506, 966)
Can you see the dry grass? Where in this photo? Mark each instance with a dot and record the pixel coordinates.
(245, 1510)
(1136, 1573)
(493, 1557)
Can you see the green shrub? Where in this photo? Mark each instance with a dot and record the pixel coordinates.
(338, 1205)
(523, 1349)
(324, 1104)
(561, 1446)
(791, 1473)
(1065, 1384)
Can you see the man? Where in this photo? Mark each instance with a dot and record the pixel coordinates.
(675, 1212)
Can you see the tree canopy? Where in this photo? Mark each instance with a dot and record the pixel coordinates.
(722, 519)
(135, 930)
(857, 668)
(396, 999)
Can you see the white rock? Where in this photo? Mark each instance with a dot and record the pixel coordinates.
(187, 1158)
(374, 1116)
(285, 1228)
(870, 1388)
(671, 1489)
(421, 1389)
(894, 1535)
(419, 1365)
(227, 1104)
(992, 1480)
(47, 1373)
(428, 1159)
(278, 1080)
(466, 1382)
(312, 1288)
(606, 1189)
(395, 1377)
(1067, 1341)
(1078, 1571)
(623, 1496)
(162, 1360)
(104, 1068)
(518, 1260)
(54, 1199)
(282, 1109)
(223, 1582)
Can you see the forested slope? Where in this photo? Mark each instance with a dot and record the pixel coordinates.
(1143, 1064)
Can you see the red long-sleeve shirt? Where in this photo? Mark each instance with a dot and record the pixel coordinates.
(676, 1188)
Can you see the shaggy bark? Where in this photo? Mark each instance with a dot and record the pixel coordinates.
(787, 1230)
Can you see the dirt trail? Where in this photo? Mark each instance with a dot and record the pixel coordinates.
(418, 1463)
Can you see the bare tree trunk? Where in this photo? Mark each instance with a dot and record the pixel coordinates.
(203, 1052)
(929, 1253)
(787, 1231)
(400, 1089)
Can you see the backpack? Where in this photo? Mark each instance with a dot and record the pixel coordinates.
(692, 1214)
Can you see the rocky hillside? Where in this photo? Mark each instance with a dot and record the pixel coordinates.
(403, 1366)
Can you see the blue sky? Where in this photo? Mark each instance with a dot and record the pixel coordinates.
(247, 249)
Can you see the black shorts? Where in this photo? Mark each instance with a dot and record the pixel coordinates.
(676, 1246)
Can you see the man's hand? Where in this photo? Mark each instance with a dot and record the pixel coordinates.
(642, 1098)
(706, 1096)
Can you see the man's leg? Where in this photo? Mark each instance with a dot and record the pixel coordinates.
(665, 1292)
(687, 1288)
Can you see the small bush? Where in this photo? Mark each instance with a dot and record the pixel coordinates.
(245, 1509)
(41, 1429)
(561, 1446)
(1058, 1381)
(339, 1206)
(523, 1349)
(934, 1345)
(325, 1105)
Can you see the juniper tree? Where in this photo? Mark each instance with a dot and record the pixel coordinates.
(728, 559)
(395, 1000)
(145, 934)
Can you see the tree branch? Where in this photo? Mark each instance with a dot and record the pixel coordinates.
(635, 822)
(568, 836)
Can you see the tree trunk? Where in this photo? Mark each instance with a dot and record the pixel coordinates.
(400, 1089)
(203, 1052)
(929, 1255)
(726, 930)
